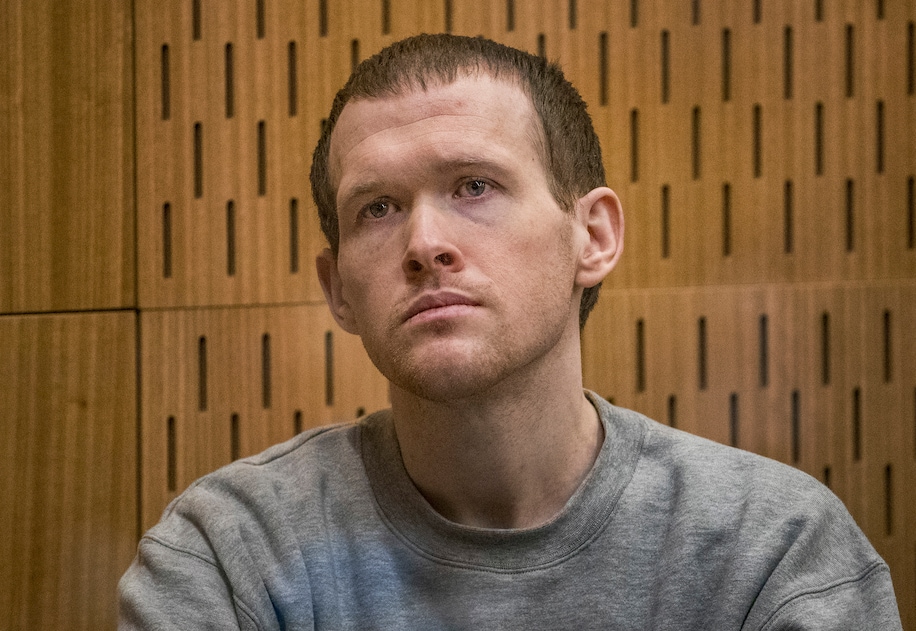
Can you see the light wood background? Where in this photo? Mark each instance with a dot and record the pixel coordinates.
(159, 314)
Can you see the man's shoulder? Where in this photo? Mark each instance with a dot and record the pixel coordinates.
(287, 483)
(710, 485)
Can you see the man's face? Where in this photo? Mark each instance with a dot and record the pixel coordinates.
(456, 266)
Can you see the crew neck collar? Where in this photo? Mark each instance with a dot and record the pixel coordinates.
(420, 527)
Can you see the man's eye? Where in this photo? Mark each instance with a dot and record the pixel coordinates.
(474, 188)
(377, 210)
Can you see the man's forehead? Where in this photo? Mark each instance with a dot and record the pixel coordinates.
(444, 103)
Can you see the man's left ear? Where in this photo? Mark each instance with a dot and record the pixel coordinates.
(601, 215)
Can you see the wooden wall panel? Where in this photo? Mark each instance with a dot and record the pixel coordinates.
(836, 400)
(66, 156)
(225, 131)
(221, 384)
(68, 440)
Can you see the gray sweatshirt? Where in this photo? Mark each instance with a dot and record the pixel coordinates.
(668, 531)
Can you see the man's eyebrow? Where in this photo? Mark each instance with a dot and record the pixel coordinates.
(360, 189)
(369, 187)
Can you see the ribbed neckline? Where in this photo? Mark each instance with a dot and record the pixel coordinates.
(585, 515)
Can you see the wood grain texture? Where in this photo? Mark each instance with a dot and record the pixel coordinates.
(66, 156)
(69, 452)
(204, 367)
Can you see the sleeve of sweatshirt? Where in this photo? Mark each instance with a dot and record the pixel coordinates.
(168, 587)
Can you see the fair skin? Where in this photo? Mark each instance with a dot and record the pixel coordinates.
(462, 275)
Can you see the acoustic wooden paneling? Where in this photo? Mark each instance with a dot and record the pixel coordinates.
(68, 456)
(820, 376)
(226, 124)
(221, 384)
(66, 156)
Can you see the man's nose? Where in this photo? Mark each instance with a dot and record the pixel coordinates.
(431, 241)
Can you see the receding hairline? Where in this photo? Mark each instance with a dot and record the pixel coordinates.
(424, 83)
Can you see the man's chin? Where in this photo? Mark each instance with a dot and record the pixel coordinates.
(445, 378)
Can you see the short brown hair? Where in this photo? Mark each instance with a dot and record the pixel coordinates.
(571, 151)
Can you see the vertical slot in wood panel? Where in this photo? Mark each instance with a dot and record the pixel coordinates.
(447, 10)
(665, 61)
(726, 65)
(167, 240)
(695, 13)
(602, 68)
(329, 368)
(879, 9)
(888, 350)
(634, 145)
(292, 79)
(260, 22)
(757, 11)
(818, 138)
(696, 135)
(888, 500)
(322, 18)
(879, 137)
(787, 56)
(542, 46)
(856, 424)
(850, 216)
(294, 236)
(796, 426)
(850, 61)
(825, 348)
(827, 477)
(634, 13)
(354, 54)
(572, 14)
(230, 238)
(666, 221)
(171, 476)
(230, 87)
(733, 420)
(788, 232)
(510, 15)
(262, 158)
(764, 351)
(198, 160)
(386, 17)
(166, 84)
(701, 353)
(195, 20)
(672, 411)
(266, 390)
(640, 356)
(202, 374)
(297, 422)
(818, 10)
(758, 140)
(726, 219)
(234, 437)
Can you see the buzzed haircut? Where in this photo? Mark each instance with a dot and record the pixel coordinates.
(569, 146)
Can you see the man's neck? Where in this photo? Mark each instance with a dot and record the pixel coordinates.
(511, 458)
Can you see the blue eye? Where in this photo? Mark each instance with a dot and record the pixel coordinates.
(474, 188)
(376, 210)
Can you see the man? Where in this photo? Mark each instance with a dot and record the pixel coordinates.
(460, 186)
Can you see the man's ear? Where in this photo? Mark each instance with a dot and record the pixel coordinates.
(601, 215)
(329, 277)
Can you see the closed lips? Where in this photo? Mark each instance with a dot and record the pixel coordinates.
(435, 301)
